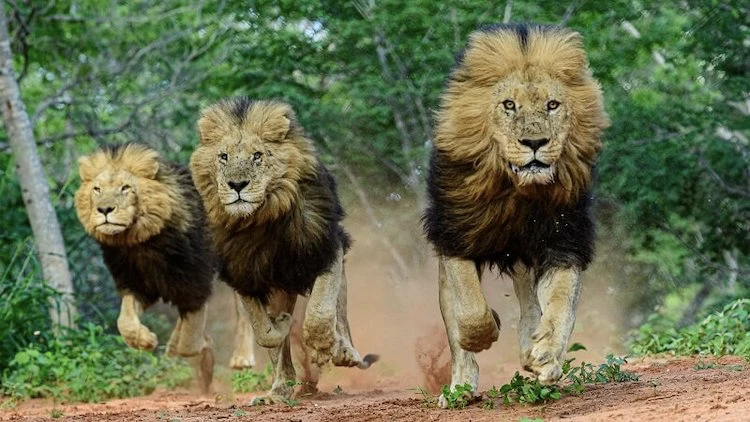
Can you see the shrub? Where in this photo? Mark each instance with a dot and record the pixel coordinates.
(90, 366)
(720, 333)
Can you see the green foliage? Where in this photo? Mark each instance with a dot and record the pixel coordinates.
(525, 390)
(247, 380)
(23, 315)
(720, 333)
(90, 366)
(457, 397)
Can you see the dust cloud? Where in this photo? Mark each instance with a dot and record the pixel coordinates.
(395, 314)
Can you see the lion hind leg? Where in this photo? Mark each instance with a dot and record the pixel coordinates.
(558, 291)
(464, 368)
(319, 325)
(133, 332)
(243, 355)
(284, 379)
(345, 353)
(269, 330)
(523, 284)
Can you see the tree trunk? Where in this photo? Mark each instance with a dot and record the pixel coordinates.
(48, 238)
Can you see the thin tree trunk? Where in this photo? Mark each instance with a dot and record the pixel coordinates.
(402, 269)
(47, 235)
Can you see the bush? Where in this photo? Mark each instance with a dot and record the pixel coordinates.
(247, 380)
(25, 301)
(90, 366)
(720, 333)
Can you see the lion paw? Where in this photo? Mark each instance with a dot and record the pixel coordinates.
(241, 362)
(141, 338)
(545, 360)
(477, 334)
(279, 330)
(320, 338)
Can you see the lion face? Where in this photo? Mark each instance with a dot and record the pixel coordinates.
(114, 201)
(250, 159)
(531, 124)
(244, 170)
(121, 201)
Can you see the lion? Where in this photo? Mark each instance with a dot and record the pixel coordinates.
(516, 137)
(150, 224)
(276, 223)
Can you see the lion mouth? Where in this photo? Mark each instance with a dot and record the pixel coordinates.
(535, 166)
(109, 227)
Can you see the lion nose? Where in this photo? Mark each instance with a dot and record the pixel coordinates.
(105, 210)
(238, 186)
(535, 144)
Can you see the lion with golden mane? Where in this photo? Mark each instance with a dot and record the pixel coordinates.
(276, 223)
(149, 222)
(516, 137)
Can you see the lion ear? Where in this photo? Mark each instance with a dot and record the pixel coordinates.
(279, 121)
(86, 169)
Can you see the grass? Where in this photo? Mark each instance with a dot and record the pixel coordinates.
(87, 365)
(720, 333)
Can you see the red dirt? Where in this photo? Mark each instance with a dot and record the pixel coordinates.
(668, 390)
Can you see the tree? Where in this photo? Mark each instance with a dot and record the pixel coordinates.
(34, 186)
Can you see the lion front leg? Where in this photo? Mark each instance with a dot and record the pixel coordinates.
(243, 355)
(524, 285)
(558, 290)
(284, 378)
(133, 332)
(318, 327)
(464, 368)
(345, 354)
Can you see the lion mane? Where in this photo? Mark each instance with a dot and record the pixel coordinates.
(516, 137)
(156, 245)
(283, 229)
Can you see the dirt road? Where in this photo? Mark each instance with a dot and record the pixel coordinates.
(668, 390)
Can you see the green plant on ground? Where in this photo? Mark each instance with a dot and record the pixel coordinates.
(527, 390)
(248, 381)
(459, 396)
(720, 333)
(87, 365)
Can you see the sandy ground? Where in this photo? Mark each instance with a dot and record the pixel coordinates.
(688, 389)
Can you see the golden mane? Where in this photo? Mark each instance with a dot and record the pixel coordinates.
(160, 201)
(273, 123)
(464, 130)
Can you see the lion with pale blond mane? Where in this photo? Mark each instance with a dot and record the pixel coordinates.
(276, 223)
(149, 222)
(517, 134)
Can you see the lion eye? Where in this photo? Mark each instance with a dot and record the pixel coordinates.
(552, 104)
(97, 190)
(223, 156)
(257, 155)
(125, 189)
(509, 105)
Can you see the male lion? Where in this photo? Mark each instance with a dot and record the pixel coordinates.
(148, 219)
(516, 137)
(276, 218)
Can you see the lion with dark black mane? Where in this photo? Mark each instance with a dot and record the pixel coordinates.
(276, 223)
(149, 222)
(516, 137)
